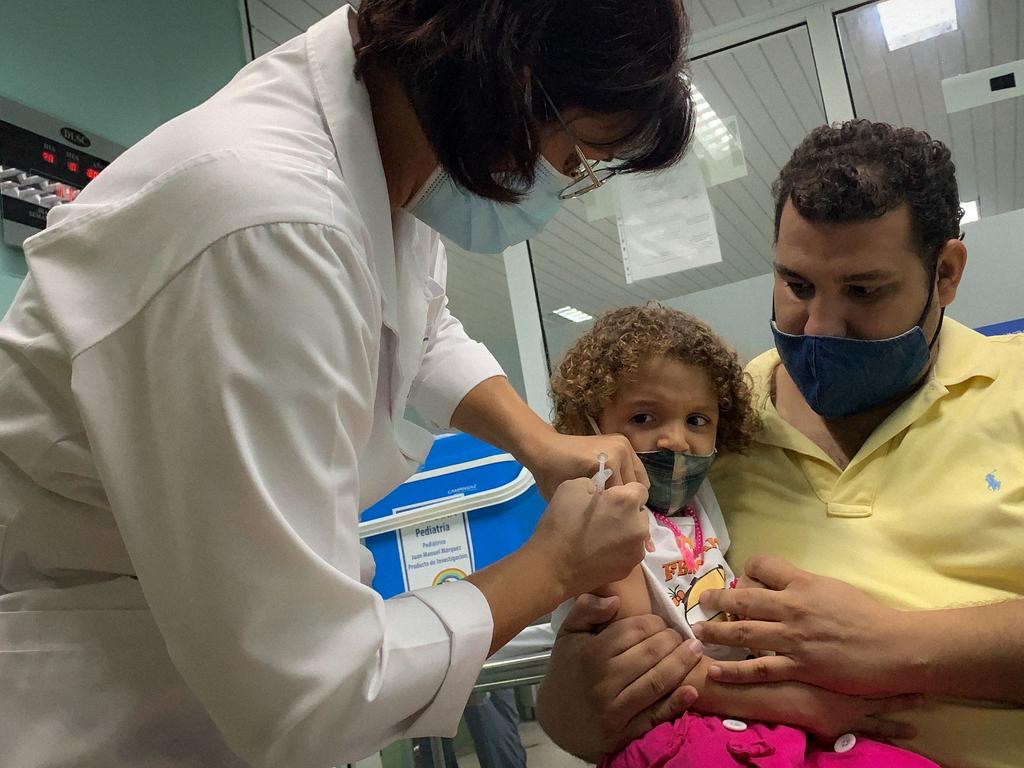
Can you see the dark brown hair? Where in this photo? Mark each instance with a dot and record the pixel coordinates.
(860, 170)
(611, 354)
(471, 68)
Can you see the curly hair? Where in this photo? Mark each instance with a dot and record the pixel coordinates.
(612, 353)
(859, 170)
(470, 68)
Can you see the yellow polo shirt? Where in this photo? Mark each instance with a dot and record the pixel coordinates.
(929, 514)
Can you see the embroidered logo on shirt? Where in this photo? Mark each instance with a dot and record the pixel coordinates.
(993, 483)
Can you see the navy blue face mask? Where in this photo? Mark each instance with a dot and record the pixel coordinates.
(839, 377)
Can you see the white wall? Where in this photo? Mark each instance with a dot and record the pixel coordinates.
(992, 290)
(117, 68)
(739, 312)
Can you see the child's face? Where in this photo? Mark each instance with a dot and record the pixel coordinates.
(671, 406)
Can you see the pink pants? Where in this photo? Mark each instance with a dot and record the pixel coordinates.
(695, 741)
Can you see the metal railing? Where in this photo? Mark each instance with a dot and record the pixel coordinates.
(512, 673)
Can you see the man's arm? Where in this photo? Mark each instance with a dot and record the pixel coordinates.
(811, 621)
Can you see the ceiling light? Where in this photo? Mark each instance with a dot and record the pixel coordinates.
(906, 22)
(711, 133)
(970, 212)
(571, 313)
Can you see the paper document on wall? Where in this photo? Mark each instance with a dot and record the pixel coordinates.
(665, 221)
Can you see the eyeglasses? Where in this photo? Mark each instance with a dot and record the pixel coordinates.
(590, 175)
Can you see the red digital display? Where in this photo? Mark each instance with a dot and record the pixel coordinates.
(65, 192)
(49, 157)
(73, 166)
(91, 173)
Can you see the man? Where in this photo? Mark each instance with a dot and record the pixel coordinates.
(888, 465)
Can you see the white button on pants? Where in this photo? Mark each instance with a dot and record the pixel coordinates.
(845, 743)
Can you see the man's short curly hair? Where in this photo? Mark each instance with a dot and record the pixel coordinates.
(612, 353)
(860, 170)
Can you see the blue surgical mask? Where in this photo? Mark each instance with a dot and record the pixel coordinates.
(839, 377)
(675, 478)
(480, 225)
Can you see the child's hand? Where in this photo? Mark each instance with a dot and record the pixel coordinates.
(829, 715)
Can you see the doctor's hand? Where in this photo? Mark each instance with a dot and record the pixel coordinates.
(824, 632)
(555, 458)
(584, 540)
(609, 684)
(588, 539)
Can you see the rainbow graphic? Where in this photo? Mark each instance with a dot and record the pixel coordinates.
(449, 574)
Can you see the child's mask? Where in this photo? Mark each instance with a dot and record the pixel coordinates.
(675, 476)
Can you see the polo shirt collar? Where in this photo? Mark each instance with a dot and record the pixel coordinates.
(960, 358)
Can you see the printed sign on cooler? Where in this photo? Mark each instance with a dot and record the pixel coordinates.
(436, 552)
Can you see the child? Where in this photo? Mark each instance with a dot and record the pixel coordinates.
(664, 380)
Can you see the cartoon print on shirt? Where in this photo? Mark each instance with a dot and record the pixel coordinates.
(685, 565)
(712, 579)
(677, 594)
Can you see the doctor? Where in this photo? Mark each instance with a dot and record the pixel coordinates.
(204, 379)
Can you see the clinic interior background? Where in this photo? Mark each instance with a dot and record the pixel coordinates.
(767, 71)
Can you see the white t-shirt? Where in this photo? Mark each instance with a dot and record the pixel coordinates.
(674, 584)
(673, 587)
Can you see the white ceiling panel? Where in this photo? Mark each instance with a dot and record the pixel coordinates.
(707, 14)
(903, 87)
(275, 21)
(271, 22)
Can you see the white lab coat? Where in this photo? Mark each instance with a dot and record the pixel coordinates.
(202, 382)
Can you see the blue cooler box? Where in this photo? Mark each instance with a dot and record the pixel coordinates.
(469, 505)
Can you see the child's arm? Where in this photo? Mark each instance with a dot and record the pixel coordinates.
(634, 599)
(820, 711)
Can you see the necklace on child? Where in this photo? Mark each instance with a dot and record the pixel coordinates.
(689, 553)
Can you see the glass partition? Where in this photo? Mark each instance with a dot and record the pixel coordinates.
(755, 102)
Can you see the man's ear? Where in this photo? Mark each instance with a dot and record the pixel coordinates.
(949, 270)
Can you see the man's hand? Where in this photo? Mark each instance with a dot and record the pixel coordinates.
(824, 632)
(554, 458)
(607, 686)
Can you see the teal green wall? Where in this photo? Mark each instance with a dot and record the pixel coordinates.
(116, 68)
